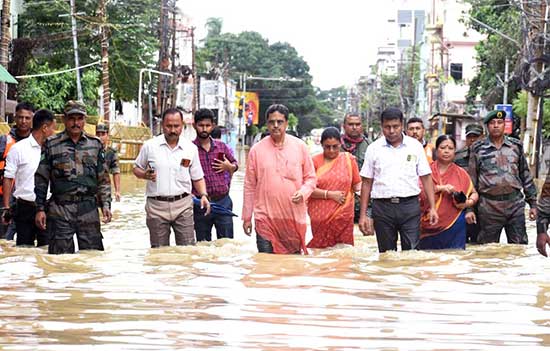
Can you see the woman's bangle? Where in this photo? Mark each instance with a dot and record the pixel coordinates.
(326, 192)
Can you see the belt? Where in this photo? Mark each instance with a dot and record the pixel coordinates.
(73, 198)
(168, 198)
(397, 200)
(217, 197)
(30, 203)
(504, 197)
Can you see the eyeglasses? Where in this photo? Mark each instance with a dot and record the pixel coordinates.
(331, 147)
(275, 122)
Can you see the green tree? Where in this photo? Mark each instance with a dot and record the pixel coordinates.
(52, 92)
(493, 51)
(251, 54)
(133, 44)
(520, 110)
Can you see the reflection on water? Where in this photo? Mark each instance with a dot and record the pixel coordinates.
(223, 295)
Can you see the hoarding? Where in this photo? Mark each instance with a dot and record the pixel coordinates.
(509, 121)
(252, 107)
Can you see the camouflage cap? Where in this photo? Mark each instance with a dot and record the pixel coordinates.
(494, 114)
(474, 129)
(74, 107)
(102, 128)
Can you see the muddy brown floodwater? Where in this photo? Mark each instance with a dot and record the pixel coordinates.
(223, 295)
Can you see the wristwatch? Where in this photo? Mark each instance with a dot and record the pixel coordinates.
(205, 194)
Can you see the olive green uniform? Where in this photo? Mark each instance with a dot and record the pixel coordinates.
(76, 174)
(462, 157)
(500, 175)
(111, 160)
(543, 207)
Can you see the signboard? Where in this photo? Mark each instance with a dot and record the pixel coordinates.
(509, 121)
(252, 107)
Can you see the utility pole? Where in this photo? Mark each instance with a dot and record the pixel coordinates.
(412, 87)
(174, 31)
(163, 55)
(75, 47)
(105, 62)
(506, 81)
(4, 47)
(193, 70)
(534, 101)
(241, 121)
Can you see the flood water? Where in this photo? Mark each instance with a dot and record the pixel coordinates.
(225, 296)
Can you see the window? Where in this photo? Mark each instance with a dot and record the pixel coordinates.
(456, 71)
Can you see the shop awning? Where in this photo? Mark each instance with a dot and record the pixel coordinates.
(5, 76)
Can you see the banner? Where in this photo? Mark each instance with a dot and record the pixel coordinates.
(509, 120)
(251, 106)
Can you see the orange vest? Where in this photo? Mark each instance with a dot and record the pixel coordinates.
(9, 141)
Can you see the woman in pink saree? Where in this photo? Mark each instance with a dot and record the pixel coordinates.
(331, 204)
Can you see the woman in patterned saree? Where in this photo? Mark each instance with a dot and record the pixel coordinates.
(454, 193)
(330, 206)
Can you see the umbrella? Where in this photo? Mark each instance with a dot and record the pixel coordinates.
(216, 208)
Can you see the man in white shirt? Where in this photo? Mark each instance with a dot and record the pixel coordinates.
(393, 164)
(21, 164)
(171, 166)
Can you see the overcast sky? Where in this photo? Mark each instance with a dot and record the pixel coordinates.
(338, 39)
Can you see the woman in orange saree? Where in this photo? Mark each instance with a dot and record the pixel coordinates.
(454, 193)
(331, 204)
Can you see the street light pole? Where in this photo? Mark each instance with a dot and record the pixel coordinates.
(75, 47)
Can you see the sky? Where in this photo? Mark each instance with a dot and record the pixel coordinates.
(338, 39)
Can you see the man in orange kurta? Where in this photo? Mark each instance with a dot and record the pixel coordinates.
(279, 179)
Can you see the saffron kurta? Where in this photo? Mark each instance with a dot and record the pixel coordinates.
(273, 175)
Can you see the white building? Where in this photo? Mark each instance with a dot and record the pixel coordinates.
(451, 54)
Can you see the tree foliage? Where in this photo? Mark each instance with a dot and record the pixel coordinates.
(133, 44)
(249, 53)
(493, 51)
(52, 92)
(520, 110)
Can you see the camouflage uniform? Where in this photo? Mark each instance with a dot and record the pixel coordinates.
(76, 174)
(462, 157)
(499, 175)
(111, 160)
(359, 153)
(543, 207)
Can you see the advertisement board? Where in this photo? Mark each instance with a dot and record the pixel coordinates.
(509, 121)
(252, 107)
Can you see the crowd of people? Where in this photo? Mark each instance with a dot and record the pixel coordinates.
(398, 187)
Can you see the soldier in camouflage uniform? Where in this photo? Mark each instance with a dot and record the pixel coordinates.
(354, 142)
(73, 164)
(543, 217)
(499, 171)
(474, 132)
(111, 157)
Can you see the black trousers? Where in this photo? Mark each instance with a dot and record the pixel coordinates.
(27, 231)
(264, 246)
(391, 218)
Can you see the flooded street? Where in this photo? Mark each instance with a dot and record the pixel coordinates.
(223, 295)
